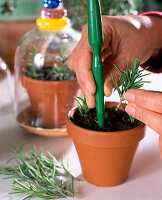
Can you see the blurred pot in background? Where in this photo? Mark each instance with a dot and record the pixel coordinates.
(16, 18)
(44, 85)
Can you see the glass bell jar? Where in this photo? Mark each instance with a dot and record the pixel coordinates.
(44, 86)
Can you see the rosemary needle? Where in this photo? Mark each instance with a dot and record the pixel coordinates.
(82, 105)
(38, 175)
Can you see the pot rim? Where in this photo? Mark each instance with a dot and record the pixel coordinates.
(100, 139)
(43, 81)
(92, 132)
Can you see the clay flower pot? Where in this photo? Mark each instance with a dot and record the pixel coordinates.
(51, 100)
(105, 157)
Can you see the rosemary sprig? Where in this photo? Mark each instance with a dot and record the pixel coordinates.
(51, 73)
(82, 105)
(131, 78)
(38, 175)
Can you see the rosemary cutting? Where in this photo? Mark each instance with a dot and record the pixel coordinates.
(82, 105)
(131, 78)
(56, 72)
(38, 175)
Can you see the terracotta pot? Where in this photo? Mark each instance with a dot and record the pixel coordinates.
(51, 100)
(105, 157)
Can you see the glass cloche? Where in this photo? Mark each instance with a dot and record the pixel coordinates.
(45, 86)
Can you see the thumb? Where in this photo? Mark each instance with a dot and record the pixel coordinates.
(160, 146)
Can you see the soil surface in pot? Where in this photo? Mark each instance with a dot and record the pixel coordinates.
(51, 74)
(115, 120)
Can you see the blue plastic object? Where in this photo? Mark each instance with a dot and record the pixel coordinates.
(50, 4)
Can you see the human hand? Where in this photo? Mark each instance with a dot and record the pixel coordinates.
(125, 38)
(146, 106)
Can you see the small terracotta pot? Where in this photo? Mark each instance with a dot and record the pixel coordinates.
(51, 100)
(105, 157)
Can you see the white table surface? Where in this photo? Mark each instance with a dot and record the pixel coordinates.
(145, 178)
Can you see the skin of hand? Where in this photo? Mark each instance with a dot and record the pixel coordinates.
(125, 38)
(146, 106)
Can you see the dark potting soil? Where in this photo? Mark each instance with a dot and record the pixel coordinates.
(115, 120)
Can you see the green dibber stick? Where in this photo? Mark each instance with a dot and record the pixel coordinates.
(95, 36)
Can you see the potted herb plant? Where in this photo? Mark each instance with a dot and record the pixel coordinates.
(106, 153)
(50, 88)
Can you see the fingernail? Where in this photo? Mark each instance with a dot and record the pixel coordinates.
(88, 89)
(130, 110)
(87, 100)
(90, 101)
(108, 87)
(130, 97)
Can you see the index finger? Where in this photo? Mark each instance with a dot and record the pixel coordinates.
(80, 61)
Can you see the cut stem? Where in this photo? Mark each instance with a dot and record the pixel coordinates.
(120, 102)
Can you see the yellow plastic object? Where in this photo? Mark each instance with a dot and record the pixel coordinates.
(52, 24)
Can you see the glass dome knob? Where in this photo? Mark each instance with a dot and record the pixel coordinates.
(50, 4)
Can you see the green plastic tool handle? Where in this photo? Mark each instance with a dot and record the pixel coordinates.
(95, 36)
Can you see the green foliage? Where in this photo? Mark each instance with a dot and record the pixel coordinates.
(131, 78)
(78, 9)
(52, 73)
(155, 5)
(82, 105)
(38, 175)
(121, 7)
(8, 6)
